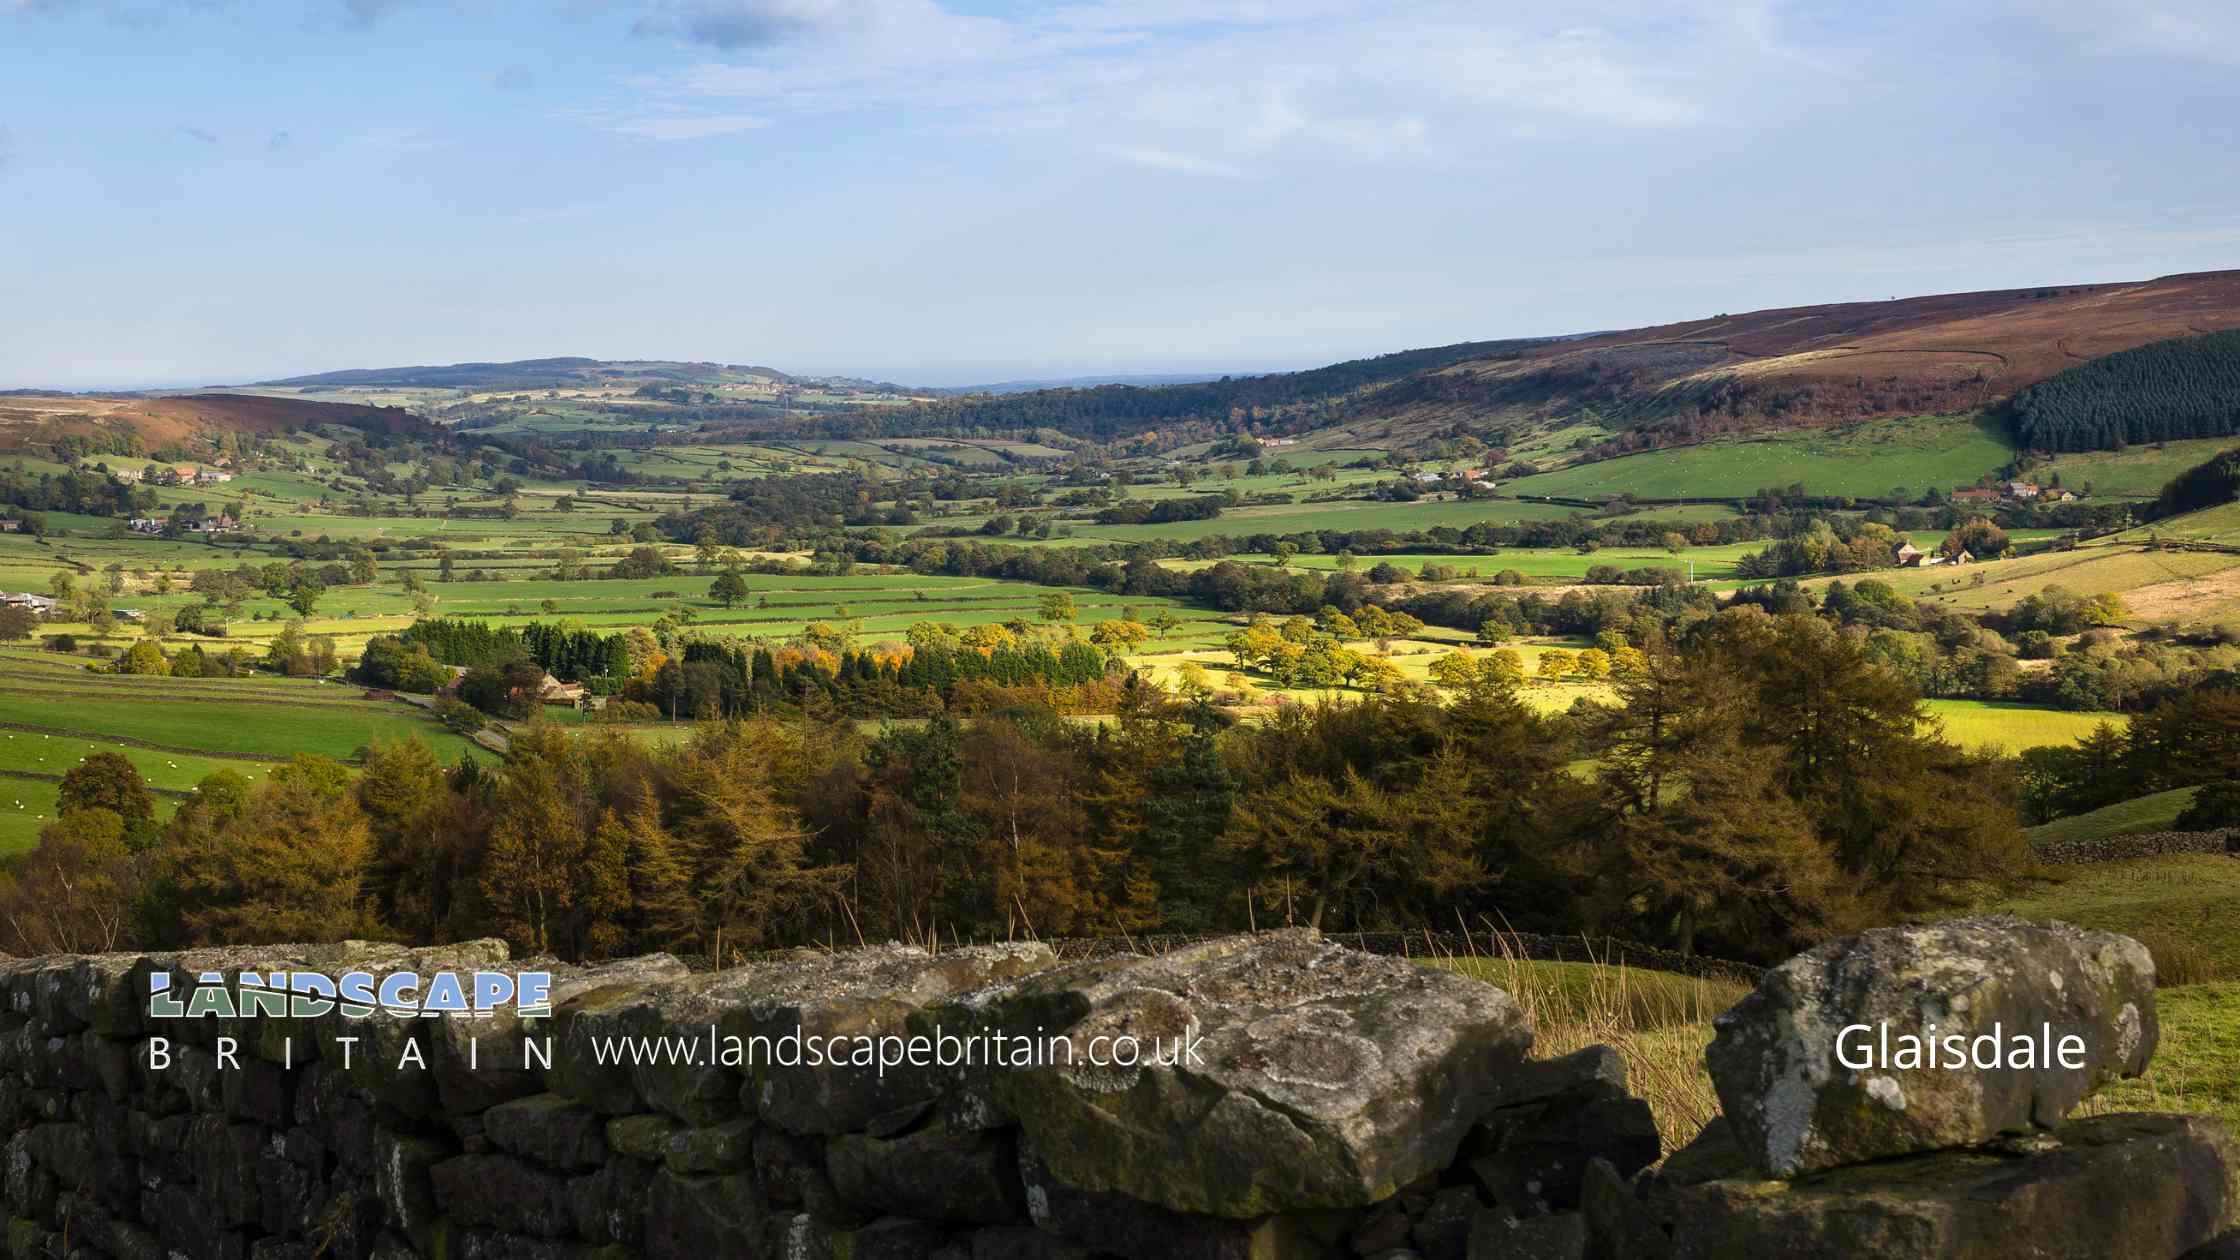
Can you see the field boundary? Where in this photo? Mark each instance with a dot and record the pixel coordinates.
(184, 750)
(2136, 845)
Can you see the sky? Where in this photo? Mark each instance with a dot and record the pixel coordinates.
(944, 192)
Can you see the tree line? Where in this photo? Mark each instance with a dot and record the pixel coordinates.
(1757, 783)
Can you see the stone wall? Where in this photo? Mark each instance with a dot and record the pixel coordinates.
(2137, 845)
(1309, 1101)
(1340, 1104)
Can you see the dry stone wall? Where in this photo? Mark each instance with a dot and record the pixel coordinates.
(1288, 1097)
(2135, 845)
(1322, 1102)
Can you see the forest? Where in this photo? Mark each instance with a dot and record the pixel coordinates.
(2186, 387)
(1757, 783)
(2211, 483)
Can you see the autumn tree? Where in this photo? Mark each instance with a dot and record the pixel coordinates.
(76, 892)
(108, 781)
(287, 867)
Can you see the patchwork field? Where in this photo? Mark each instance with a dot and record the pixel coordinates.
(1866, 460)
(174, 730)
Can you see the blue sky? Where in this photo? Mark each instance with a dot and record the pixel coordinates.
(942, 192)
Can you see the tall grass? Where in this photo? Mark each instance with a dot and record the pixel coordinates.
(1658, 1022)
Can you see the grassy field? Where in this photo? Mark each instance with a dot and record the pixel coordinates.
(2137, 472)
(1987, 725)
(2193, 897)
(2192, 1069)
(2148, 813)
(175, 731)
(1866, 460)
(2186, 584)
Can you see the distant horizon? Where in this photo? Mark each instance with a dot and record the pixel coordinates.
(965, 376)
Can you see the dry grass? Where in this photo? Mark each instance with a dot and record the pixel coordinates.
(1658, 1022)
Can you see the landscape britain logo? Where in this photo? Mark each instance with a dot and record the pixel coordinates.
(351, 995)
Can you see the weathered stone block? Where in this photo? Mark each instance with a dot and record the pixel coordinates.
(938, 1174)
(550, 1130)
(2111, 1187)
(1312, 1076)
(1498, 1236)
(866, 993)
(703, 1216)
(1794, 1105)
(499, 1192)
(717, 1148)
(401, 1182)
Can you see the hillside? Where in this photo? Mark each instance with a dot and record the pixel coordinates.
(1812, 366)
(1559, 400)
(521, 374)
(38, 418)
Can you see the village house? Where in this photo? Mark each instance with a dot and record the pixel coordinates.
(125, 476)
(10, 526)
(2023, 489)
(1912, 557)
(1975, 494)
(211, 477)
(150, 524)
(219, 524)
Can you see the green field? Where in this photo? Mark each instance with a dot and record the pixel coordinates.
(2137, 472)
(2194, 897)
(2148, 813)
(1987, 725)
(1860, 461)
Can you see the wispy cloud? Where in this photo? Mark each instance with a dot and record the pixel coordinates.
(7, 148)
(1211, 87)
(279, 140)
(666, 122)
(198, 133)
(1164, 160)
(513, 79)
(364, 13)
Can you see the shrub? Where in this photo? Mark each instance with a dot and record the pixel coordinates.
(459, 717)
(2177, 961)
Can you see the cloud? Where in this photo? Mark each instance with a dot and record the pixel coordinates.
(1161, 159)
(364, 13)
(2205, 30)
(279, 140)
(198, 133)
(7, 148)
(668, 123)
(513, 79)
(738, 23)
(1221, 87)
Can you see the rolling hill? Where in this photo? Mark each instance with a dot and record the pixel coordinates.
(37, 418)
(1812, 366)
(1674, 384)
(527, 374)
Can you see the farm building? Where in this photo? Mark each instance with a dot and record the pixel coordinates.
(1910, 556)
(1975, 495)
(39, 604)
